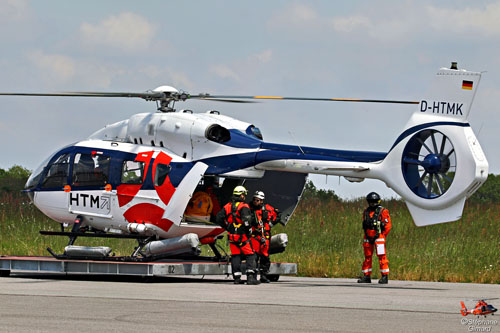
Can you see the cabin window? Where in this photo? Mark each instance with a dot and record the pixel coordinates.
(91, 169)
(57, 174)
(132, 172)
(161, 173)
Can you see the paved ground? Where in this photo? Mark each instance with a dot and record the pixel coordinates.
(79, 304)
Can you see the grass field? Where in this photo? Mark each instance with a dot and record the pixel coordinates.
(325, 240)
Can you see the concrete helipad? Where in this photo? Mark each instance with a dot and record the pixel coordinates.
(98, 303)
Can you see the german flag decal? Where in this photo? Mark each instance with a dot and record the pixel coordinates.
(467, 85)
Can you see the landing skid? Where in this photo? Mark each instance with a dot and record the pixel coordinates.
(137, 255)
(97, 234)
(190, 257)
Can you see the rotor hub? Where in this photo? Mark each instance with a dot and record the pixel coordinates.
(432, 163)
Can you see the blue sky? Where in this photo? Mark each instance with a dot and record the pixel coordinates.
(338, 49)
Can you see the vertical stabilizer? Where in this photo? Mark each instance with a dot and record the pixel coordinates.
(451, 94)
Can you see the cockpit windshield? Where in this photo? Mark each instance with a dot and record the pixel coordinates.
(34, 179)
(35, 175)
(57, 173)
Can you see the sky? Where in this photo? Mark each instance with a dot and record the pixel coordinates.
(333, 49)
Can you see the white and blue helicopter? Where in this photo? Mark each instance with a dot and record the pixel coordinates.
(135, 178)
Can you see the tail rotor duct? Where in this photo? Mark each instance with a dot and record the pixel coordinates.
(429, 164)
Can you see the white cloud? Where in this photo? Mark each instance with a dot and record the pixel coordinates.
(13, 10)
(294, 16)
(299, 13)
(402, 22)
(307, 23)
(126, 31)
(96, 75)
(264, 56)
(54, 67)
(485, 20)
(242, 69)
(160, 75)
(350, 23)
(224, 72)
(181, 80)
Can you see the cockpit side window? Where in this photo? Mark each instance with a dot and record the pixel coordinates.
(57, 174)
(132, 172)
(161, 173)
(90, 169)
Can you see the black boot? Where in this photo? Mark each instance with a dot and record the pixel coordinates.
(384, 279)
(238, 280)
(263, 278)
(365, 279)
(251, 280)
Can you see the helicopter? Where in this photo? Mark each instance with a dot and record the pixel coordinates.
(136, 177)
(481, 309)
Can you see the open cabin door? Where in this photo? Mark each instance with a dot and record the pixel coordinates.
(282, 190)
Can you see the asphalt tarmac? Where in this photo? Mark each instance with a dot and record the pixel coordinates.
(99, 303)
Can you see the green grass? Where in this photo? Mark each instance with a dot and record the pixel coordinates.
(325, 239)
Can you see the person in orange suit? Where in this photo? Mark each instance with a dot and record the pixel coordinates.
(376, 227)
(237, 218)
(265, 217)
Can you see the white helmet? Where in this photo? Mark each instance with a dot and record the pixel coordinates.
(259, 195)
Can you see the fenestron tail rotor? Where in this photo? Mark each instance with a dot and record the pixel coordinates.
(166, 96)
(429, 163)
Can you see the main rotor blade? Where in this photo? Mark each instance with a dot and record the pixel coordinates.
(145, 95)
(222, 100)
(229, 97)
(159, 95)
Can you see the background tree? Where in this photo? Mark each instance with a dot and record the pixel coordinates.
(12, 181)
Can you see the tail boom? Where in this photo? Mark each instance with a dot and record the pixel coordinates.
(434, 165)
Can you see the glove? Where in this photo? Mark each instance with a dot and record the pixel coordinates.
(262, 240)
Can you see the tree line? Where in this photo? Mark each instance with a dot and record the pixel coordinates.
(12, 181)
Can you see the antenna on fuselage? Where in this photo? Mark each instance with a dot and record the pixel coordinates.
(294, 141)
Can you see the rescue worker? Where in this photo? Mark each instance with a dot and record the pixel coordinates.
(376, 227)
(236, 217)
(265, 217)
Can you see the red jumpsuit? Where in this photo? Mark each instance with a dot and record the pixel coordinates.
(265, 216)
(237, 218)
(376, 226)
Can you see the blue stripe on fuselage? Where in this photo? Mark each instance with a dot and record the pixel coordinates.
(242, 140)
(273, 151)
(280, 151)
(414, 129)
